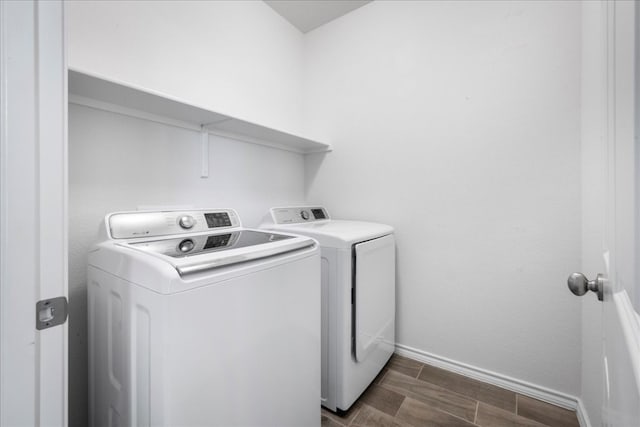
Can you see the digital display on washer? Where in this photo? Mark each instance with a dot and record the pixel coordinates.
(217, 240)
(318, 214)
(218, 219)
(199, 244)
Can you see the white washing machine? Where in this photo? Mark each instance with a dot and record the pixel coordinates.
(194, 321)
(358, 298)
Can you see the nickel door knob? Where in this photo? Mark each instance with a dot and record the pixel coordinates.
(579, 284)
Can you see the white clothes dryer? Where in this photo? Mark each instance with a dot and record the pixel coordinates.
(358, 298)
(194, 320)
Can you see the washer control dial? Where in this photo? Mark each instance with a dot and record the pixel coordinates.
(304, 215)
(186, 222)
(186, 245)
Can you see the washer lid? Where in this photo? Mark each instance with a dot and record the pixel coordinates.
(181, 247)
(338, 233)
(195, 253)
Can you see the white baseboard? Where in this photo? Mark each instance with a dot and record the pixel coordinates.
(519, 386)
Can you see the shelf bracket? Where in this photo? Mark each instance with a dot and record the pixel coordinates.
(204, 141)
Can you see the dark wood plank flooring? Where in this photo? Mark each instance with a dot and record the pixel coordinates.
(410, 394)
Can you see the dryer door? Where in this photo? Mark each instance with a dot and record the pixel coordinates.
(374, 296)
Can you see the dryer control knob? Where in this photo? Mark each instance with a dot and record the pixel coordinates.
(186, 221)
(304, 215)
(186, 245)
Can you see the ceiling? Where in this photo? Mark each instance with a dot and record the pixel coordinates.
(307, 15)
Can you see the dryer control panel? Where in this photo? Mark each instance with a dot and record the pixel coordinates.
(300, 214)
(128, 225)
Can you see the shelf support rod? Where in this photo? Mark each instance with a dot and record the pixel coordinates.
(204, 141)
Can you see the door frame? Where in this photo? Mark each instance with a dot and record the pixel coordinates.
(33, 211)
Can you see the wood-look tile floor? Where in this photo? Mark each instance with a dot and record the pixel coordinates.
(410, 394)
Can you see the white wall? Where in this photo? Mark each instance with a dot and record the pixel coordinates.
(235, 57)
(593, 197)
(459, 124)
(238, 58)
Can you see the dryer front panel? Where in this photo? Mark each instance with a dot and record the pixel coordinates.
(374, 299)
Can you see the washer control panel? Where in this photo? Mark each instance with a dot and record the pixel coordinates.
(297, 215)
(126, 225)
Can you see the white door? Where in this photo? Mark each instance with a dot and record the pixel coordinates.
(611, 213)
(621, 324)
(33, 229)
